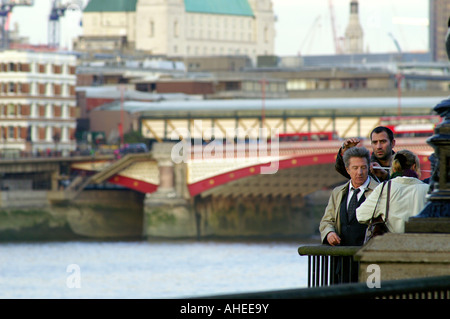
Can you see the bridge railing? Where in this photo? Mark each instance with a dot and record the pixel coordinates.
(330, 265)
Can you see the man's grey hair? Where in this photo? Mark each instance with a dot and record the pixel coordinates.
(361, 152)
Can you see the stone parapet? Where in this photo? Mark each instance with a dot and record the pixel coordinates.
(409, 255)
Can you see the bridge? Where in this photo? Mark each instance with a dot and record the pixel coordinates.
(246, 191)
(348, 117)
(213, 190)
(294, 168)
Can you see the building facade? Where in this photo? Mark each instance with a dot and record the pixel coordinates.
(37, 101)
(353, 42)
(183, 27)
(439, 16)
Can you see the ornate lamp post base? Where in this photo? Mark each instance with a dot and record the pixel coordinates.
(436, 214)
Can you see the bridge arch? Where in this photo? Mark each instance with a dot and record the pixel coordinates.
(141, 173)
(233, 175)
(321, 163)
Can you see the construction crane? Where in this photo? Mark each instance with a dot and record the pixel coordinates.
(397, 45)
(6, 8)
(58, 10)
(310, 35)
(399, 76)
(337, 45)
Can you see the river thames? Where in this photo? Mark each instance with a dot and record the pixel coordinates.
(148, 269)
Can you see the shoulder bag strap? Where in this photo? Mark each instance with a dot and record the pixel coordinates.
(387, 201)
(376, 205)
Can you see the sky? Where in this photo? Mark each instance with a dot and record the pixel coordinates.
(302, 27)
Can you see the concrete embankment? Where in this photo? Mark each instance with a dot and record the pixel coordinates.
(224, 217)
(33, 215)
(123, 214)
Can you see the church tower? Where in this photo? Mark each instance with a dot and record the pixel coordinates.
(353, 42)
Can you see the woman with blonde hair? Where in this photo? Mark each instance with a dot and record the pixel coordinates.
(407, 194)
(405, 163)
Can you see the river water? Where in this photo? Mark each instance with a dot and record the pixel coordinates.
(148, 269)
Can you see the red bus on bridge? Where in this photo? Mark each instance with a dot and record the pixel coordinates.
(411, 126)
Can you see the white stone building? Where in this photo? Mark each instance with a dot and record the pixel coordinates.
(183, 27)
(37, 101)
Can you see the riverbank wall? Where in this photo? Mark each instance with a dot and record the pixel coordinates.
(95, 214)
(123, 214)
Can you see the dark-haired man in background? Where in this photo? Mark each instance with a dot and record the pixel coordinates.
(382, 142)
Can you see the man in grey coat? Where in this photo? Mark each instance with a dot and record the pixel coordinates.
(339, 225)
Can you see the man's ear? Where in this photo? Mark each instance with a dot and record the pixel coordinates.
(393, 143)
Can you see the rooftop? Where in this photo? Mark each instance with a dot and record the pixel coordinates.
(111, 6)
(225, 7)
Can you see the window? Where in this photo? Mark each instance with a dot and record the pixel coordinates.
(57, 89)
(231, 86)
(57, 111)
(354, 83)
(24, 88)
(72, 69)
(23, 67)
(152, 29)
(42, 88)
(41, 110)
(175, 29)
(57, 69)
(11, 132)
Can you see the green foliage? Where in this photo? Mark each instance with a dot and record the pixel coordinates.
(133, 137)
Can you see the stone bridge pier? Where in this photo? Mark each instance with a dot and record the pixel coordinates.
(168, 212)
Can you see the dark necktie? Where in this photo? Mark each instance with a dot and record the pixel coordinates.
(353, 202)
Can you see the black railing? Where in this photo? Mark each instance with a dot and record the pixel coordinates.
(412, 288)
(330, 265)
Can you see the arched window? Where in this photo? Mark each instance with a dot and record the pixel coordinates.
(175, 29)
(152, 29)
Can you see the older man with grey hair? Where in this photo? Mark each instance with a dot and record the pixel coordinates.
(339, 225)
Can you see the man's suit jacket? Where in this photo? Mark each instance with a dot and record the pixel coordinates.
(331, 220)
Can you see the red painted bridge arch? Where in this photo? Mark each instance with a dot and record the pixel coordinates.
(251, 170)
(284, 163)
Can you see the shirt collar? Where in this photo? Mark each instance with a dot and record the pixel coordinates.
(363, 187)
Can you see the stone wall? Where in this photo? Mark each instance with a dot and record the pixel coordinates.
(229, 217)
(28, 215)
(402, 256)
